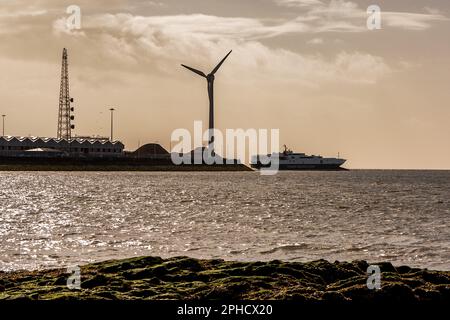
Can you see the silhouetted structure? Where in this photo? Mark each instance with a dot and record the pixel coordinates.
(210, 79)
(65, 117)
(36, 146)
(150, 150)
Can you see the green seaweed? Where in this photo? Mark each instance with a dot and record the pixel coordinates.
(153, 278)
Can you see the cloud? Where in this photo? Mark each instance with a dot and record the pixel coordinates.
(133, 43)
(158, 44)
(22, 13)
(316, 41)
(410, 21)
(432, 10)
(299, 3)
(162, 42)
(347, 16)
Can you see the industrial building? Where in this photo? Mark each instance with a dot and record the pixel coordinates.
(65, 145)
(46, 147)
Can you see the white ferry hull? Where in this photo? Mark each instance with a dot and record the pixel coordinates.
(300, 162)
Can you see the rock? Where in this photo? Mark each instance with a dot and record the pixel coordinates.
(386, 267)
(395, 292)
(427, 295)
(403, 269)
(97, 281)
(187, 278)
(333, 297)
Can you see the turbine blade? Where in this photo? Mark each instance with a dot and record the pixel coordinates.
(195, 71)
(221, 62)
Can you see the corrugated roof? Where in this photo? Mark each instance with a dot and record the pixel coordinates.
(47, 140)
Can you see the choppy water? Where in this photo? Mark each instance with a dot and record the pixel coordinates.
(59, 219)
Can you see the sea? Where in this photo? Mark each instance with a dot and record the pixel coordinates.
(63, 219)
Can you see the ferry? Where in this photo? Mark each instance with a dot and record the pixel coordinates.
(289, 160)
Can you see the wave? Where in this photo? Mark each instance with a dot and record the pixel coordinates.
(286, 248)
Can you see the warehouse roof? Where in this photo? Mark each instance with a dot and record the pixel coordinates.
(91, 141)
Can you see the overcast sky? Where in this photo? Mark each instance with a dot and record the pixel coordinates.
(311, 68)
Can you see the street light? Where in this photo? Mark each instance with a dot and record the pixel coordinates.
(112, 123)
(3, 131)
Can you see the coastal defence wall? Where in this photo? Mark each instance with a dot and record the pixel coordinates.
(107, 164)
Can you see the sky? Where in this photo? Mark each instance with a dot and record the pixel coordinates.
(311, 68)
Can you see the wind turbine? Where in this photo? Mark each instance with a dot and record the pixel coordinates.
(210, 79)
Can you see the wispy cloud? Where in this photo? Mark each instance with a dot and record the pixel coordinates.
(347, 16)
(299, 3)
(411, 21)
(316, 41)
(22, 13)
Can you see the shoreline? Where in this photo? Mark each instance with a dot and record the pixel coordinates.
(68, 168)
(108, 164)
(123, 168)
(183, 278)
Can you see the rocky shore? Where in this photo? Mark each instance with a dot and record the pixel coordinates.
(186, 278)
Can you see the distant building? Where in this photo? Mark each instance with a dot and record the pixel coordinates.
(77, 147)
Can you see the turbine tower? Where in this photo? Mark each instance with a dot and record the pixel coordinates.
(65, 117)
(210, 79)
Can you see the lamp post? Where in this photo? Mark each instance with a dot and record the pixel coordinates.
(112, 123)
(3, 128)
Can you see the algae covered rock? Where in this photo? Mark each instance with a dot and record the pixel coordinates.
(153, 278)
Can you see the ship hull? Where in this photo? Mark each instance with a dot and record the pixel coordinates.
(289, 160)
(303, 167)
